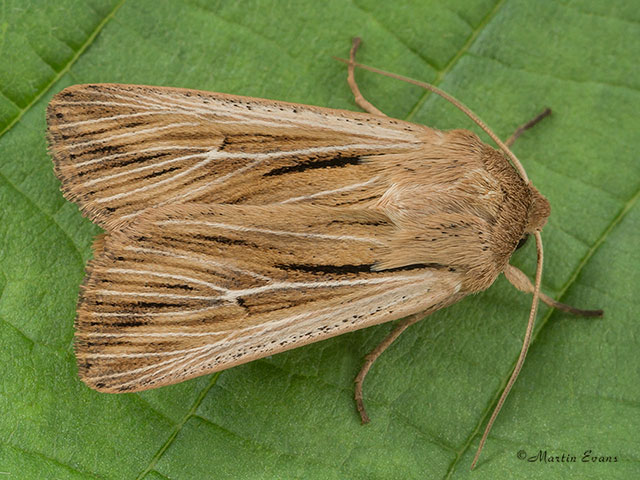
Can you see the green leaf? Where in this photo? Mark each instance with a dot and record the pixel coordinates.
(430, 394)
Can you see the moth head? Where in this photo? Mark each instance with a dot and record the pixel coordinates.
(539, 211)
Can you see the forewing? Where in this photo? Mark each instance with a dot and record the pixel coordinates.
(194, 289)
(119, 149)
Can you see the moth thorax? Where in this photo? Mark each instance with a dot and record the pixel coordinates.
(539, 211)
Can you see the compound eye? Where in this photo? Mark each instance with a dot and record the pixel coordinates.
(522, 241)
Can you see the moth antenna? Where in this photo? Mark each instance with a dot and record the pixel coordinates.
(523, 352)
(462, 107)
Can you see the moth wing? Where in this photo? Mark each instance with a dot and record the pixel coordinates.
(194, 289)
(119, 149)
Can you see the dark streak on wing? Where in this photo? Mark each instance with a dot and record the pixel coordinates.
(128, 161)
(161, 172)
(357, 268)
(337, 161)
(222, 240)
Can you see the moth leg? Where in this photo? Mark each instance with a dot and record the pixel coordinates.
(351, 79)
(518, 279)
(520, 130)
(372, 357)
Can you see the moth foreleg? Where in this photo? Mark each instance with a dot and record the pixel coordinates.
(351, 79)
(520, 130)
(518, 279)
(374, 354)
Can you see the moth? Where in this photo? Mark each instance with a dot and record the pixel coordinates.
(237, 228)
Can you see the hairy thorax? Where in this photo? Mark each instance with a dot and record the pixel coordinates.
(459, 203)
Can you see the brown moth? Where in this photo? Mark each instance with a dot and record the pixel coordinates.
(236, 227)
